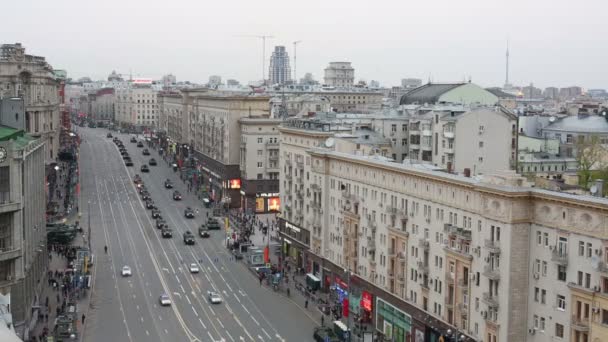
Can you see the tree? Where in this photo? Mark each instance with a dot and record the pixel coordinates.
(591, 156)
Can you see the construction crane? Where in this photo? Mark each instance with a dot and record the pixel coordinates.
(295, 46)
(263, 38)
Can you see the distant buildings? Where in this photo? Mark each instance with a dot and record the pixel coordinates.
(32, 78)
(136, 106)
(279, 69)
(340, 74)
(102, 105)
(214, 81)
(410, 83)
(169, 80)
(449, 93)
(232, 83)
(308, 79)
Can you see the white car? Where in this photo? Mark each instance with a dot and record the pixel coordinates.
(165, 300)
(214, 297)
(126, 271)
(194, 268)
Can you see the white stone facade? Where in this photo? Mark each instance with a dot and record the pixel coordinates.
(137, 106)
(340, 74)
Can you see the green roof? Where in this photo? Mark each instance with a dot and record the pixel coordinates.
(7, 133)
(22, 141)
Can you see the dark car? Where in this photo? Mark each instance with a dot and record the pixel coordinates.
(150, 204)
(160, 224)
(144, 168)
(145, 152)
(123, 152)
(137, 179)
(128, 162)
(168, 184)
(115, 140)
(133, 140)
(177, 196)
(189, 213)
(189, 238)
(145, 196)
(126, 156)
(141, 187)
(213, 224)
(156, 213)
(167, 232)
(152, 162)
(323, 334)
(140, 144)
(203, 231)
(109, 135)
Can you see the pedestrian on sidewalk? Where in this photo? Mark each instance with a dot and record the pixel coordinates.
(306, 304)
(322, 320)
(83, 317)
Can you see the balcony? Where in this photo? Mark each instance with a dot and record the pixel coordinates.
(288, 175)
(449, 150)
(7, 280)
(391, 210)
(401, 256)
(424, 244)
(401, 278)
(559, 257)
(372, 263)
(426, 147)
(492, 245)
(300, 164)
(273, 145)
(491, 272)
(491, 301)
(9, 253)
(423, 267)
(580, 324)
(449, 278)
(427, 132)
(448, 133)
(463, 308)
(273, 157)
(449, 302)
(458, 252)
(315, 187)
(399, 231)
(414, 146)
(288, 162)
(8, 204)
(371, 244)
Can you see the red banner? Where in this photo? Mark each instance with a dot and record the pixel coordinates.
(366, 301)
(266, 254)
(345, 307)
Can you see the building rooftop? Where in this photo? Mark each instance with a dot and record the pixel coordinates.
(8, 133)
(500, 94)
(428, 93)
(580, 124)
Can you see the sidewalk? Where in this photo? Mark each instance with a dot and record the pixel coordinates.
(57, 292)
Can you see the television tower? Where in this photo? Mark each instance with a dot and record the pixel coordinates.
(507, 85)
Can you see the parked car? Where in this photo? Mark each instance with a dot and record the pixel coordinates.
(152, 162)
(177, 196)
(144, 168)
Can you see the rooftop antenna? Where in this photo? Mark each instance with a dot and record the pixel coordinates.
(295, 53)
(507, 66)
(263, 38)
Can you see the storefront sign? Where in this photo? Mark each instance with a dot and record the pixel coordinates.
(234, 183)
(292, 227)
(259, 205)
(366, 301)
(274, 204)
(341, 283)
(263, 194)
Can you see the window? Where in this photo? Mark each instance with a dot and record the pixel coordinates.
(535, 322)
(559, 330)
(543, 296)
(546, 238)
(581, 248)
(480, 144)
(605, 316)
(260, 164)
(561, 273)
(393, 128)
(542, 324)
(539, 238)
(536, 294)
(589, 250)
(260, 140)
(260, 152)
(561, 302)
(544, 270)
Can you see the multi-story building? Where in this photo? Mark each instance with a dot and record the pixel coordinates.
(298, 104)
(410, 83)
(169, 81)
(259, 164)
(214, 81)
(137, 106)
(420, 252)
(450, 93)
(279, 71)
(551, 93)
(570, 93)
(339, 74)
(102, 105)
(575, 131)
(23, 257)
(32, 78)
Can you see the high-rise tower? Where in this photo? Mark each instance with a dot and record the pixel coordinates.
(507, 84)
(279, 70)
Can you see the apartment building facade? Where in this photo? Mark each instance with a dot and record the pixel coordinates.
(137, 106)
(259, 165)
(340, 74)
(490, 259)
(102, 105)
(32, 78)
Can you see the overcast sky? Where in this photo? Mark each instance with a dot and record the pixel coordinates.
(553, 42)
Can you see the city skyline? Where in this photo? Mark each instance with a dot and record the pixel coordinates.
(542, 51)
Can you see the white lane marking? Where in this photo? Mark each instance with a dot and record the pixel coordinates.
(176, 277)
(280, 338)
(242, 293)
(241, 338)
(264, 331)
(247, 311)
(188, 299)
(203, 324)
(220, 322)
(177, 294)
(210, 336)
(181, 287)
(231, 338)
(228, 286)
(141, 319)
(160, 318)
(260, 337)
(137, 307)
(213, 312)
(166, 269)
(193, 309)
(256, 322)
(147, 333)
(166, 332)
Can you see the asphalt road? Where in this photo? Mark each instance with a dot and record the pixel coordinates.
(127, 308)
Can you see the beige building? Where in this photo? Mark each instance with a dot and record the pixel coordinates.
(136, 106)
(259, 164)
(32, 78)
(486, 257)
(340, 74)
(102, 105)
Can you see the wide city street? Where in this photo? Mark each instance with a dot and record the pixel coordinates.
(128, 308)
